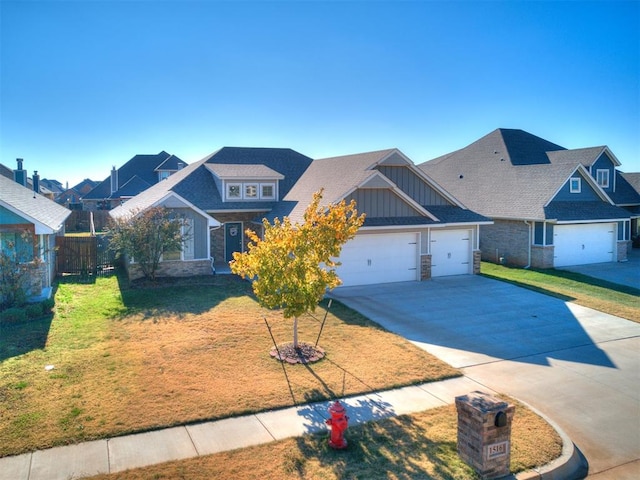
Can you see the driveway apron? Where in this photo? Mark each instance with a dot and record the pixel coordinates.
(578, 366)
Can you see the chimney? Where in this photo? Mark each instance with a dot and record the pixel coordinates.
(114, 179)
(180, 165)
(36, 181)
(19, 174)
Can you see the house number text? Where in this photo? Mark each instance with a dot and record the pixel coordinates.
(497, 449)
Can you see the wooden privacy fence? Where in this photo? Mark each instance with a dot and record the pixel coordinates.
(83, 255)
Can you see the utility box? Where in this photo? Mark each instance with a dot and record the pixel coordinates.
(484, 433)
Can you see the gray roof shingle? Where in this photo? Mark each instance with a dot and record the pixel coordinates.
(48, 216)
(508, 173)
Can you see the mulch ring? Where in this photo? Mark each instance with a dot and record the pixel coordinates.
(305, 353)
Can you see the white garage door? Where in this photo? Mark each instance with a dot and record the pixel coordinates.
(383, 258)
(583, 244)
(451, 253)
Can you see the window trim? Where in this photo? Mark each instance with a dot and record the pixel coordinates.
(228, 195)
(575, 187)
(605, 173)
(273, 191)
(243, 188)
(250, 186)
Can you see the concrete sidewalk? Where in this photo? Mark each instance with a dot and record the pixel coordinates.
(139, 450)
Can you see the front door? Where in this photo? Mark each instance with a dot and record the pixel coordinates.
(232, 239)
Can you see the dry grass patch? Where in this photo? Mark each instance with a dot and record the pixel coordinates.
(417, 446)
(135, 359)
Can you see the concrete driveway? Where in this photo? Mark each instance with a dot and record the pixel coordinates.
(623, 273)
(578, 366)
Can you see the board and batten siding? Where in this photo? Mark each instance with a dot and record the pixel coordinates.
(200, 231)
(413, 185)
(377, 203)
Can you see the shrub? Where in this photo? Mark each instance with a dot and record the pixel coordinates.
(34, 310)
(13, 315)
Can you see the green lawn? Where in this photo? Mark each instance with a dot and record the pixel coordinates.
(612, 298)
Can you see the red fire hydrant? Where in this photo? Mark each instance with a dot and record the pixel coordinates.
(338, 423)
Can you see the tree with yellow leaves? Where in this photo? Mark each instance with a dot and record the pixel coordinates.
(293, 265)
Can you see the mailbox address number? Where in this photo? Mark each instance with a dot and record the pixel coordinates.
(497, 449)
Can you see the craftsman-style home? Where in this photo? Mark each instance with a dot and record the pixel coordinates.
(550, 206)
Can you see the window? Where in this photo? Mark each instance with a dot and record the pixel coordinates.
(163, 175)
(233, 191)
(18, 246)
(250, 191)
(575, 185)
(602, 177)
(267, 191)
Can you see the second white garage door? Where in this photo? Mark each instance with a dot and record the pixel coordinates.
(583, 244)
(382, 258)
(451, 253)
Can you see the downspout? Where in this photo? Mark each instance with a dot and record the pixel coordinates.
(528, 265)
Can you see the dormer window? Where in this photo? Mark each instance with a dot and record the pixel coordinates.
(234, 191)
(267, 191)
(602, 177)
(575, 185)
(250, 191)
(246, 182)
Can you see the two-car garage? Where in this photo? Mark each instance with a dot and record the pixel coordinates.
(581, 244)
(396, 257)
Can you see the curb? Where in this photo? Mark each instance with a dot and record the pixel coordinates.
(570, 465)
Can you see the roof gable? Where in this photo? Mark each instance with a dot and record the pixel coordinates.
(494, 177)
(47, 216)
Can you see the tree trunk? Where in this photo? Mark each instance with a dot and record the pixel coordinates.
(295, 332)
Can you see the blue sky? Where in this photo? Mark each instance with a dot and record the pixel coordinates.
(88, 84)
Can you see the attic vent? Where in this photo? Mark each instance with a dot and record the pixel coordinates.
(461, 176)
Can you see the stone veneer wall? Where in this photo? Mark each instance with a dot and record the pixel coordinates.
(177, 268)
(425, 267)
(477, 258)
(508, 239)
(623, 248)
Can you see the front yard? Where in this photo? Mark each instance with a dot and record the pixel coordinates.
(114, 360)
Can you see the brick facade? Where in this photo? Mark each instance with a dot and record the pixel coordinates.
(482, 442)
(477, 259)
(425, 267)
(506, 241)
(623, 247)
(542, 257)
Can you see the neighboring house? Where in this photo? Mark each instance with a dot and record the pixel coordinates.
(551, 207)
(20, 176)
(70, 197)
(631, 184)
(413, 230)
(54, 186)
(135, 176)
(31, 222)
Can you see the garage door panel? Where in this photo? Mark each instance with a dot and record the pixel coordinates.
(450, 252)
(584, 244)
(383, 258)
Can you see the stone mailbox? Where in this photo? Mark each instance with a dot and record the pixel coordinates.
(484, 433)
